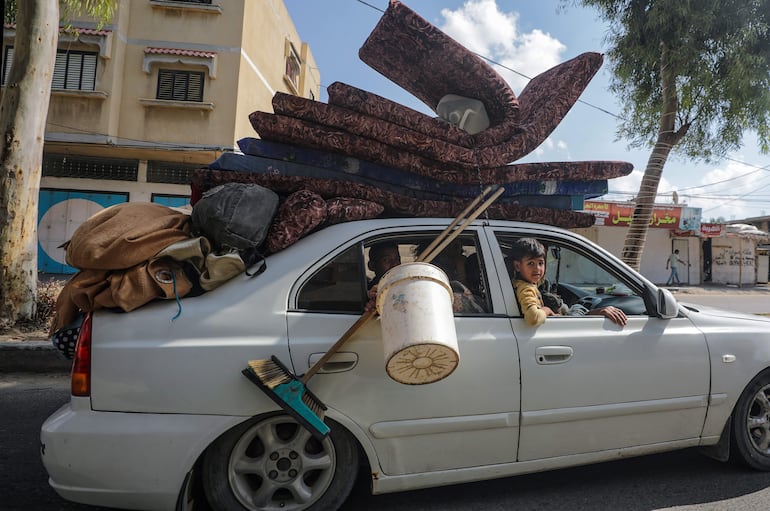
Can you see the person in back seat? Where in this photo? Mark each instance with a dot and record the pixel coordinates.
(452, 261)
(382, 257)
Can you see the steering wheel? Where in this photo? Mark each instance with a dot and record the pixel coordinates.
(589, 302)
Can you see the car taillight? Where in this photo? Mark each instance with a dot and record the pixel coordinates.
(81, 364)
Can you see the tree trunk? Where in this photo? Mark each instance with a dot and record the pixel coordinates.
(636, 236)
(23, 113)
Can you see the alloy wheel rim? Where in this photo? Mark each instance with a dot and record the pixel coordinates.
(278, 465)
(758, 421)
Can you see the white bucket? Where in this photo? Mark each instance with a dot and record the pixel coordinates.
(414, 301)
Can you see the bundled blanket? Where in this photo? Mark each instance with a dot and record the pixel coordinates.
(117, 252)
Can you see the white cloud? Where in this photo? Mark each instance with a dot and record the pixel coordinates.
(482, 27)
(731, 191)
(728, 191)
(556, 150)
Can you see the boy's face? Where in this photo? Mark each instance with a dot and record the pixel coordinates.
(531, 269)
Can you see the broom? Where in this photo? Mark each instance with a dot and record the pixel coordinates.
(290, 392)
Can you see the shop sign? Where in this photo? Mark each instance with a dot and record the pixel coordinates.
(680, 218)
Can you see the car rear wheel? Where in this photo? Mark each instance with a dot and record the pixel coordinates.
(273, 463)
(751, 424)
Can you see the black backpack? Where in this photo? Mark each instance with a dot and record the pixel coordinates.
(235, 215)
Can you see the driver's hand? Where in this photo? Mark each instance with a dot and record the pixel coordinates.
(614, 314)
(548, 311)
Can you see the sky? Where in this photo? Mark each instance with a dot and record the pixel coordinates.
(529, 38)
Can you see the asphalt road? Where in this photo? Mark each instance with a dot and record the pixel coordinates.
(750, 303)
(684, 480)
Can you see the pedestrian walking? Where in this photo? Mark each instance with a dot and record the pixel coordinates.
(673, 263)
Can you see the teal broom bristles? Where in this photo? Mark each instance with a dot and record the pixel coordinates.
(289, 393)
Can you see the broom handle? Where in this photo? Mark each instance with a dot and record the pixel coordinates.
(422, 258)
(456, 221)
(448, 239)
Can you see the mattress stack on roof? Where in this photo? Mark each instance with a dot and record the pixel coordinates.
(363, 146)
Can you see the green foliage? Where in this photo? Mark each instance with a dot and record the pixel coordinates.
(9, 12)
(102, 10)
(719, 53)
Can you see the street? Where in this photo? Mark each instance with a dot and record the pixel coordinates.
(750, 303)
(685, 480)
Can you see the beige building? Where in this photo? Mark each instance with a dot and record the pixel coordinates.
(165, 87)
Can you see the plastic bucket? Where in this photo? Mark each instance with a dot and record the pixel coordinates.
(414, 301)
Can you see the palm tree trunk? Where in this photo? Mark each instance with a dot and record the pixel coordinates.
(668, 137)
(23, 113)
(645, 202)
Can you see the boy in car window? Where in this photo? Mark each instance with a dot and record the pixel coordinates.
(529, 268)
(528, 257)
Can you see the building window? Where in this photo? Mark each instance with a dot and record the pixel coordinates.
(85, 167)
(293, 67)
(180, 85)
(170, 172)
(74, 70)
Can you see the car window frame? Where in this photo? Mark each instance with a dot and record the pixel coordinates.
(580, 247)
(366, 239)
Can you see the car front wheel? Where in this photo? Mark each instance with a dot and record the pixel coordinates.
(751, 424)
(273, 463)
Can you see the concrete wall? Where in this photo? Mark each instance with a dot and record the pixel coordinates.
(733, 261)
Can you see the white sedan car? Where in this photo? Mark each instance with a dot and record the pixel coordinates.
(161, 413)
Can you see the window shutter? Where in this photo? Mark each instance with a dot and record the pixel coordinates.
(8, 63)
(60, 71)
(180, 85)
(195, 87)
(74, 68)
(89, 72)
(165, 84)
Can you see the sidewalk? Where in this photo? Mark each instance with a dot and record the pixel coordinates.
(33, 351)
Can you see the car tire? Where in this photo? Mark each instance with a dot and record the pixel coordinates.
(272, 462)
(750, 443)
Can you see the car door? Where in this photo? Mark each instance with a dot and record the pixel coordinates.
(589, 385)
(469, 418)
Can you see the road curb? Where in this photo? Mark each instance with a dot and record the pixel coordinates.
(32, 357)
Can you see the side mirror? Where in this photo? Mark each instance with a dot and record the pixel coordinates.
(668, 307)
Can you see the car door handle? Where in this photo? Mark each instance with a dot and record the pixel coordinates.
(553, 354)
(338, 363)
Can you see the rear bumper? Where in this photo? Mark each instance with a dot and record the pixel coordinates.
(126, 460)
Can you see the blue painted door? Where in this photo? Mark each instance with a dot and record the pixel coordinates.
(60, 212)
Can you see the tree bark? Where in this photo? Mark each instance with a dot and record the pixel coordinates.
(23, 113)
(668, 137)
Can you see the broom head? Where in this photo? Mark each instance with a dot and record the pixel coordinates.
(288, 392)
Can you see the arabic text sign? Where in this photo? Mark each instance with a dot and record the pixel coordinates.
(665, 217)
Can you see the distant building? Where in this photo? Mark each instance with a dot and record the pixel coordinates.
(164, 88)
(717, 253)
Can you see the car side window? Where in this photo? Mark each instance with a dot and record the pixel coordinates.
(460, 260)
(342, 284)
(338, 286)
(576, 284)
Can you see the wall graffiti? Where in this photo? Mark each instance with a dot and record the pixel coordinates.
(730, 256)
